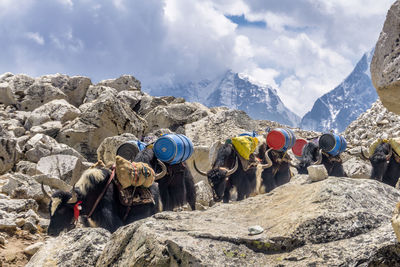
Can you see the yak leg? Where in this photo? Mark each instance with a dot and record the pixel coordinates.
(227, 193)
(190, 190)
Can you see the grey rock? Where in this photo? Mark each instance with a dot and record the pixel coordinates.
(6, 95)
(58, 110)
(79, 247)
(18, 205)
(65, 167)
(125, 82)
(32, 249)
(386, 61)
(9, 154)
(108, 148)
(41, 145)
(106, 117)
(255, 230)
(96, 91)
(204, 196)
(337, 221)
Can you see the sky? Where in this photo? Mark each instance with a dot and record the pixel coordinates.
(303, 48)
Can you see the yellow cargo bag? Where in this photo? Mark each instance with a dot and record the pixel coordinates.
(133, 173)
(395, 143)
(245, 145)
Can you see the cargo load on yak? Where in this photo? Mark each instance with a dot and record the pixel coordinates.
(394, 142)
(133, 173)
(245, 147)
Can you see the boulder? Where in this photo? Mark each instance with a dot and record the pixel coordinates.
(396, 221)
(125, 82)
(38, 94)
(174, 115)
(108, 148)
(148, 103)
(20, 186)
(6, 95)
(222, 124)
(79, 247)
(50, 128)
(74, 87)
(317, 172)
(36, 119)
(95, 91)
(104, 118)
(204, 195)
(65, 167)
(385, 63)
(9, 154)
(32, 249)
(305, 224)
(41, 145)
(18, 205)
(357, 168)
(58, 110)
(26, 167)
(201, 156)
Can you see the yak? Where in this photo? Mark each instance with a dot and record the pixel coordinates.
(279, 173)
(227, 172)
(176, 187)
(95, 199)
(312, 154)
(385, 164)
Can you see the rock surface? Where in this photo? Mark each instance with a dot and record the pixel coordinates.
(81, 247)
(385, 64)
(340, 221)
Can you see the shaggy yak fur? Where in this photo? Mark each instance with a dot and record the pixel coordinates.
(109, 213)
(245, 182)
(385, 167)
(333, 164)
(176, 187)
(278, 174)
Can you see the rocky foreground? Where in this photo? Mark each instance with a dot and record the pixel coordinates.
(334, 222)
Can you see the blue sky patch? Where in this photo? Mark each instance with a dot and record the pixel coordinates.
(243, 22)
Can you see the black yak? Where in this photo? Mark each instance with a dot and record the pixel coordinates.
(385, 164)
(96, 200)
(312, 154)
(279, 173)
(176, 187)
(227, 172)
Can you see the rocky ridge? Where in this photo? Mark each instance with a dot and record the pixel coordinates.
(54, 127)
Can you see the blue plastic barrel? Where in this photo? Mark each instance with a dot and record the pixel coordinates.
(252, 134)
(281, 139)
(129, 149)
(332, 144)
(173, 148)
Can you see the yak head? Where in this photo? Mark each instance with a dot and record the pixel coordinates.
(311, 155)
(64, 202)
(218, 176)
(61, 210)
(380, 160)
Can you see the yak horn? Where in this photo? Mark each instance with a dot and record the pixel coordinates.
(231, 171)
(363, 154)
(319, 160)
(53, 182)
(269, 161)
(74, 197)
(390, 154)
(199, 171)
(45, 193)
(163, 172)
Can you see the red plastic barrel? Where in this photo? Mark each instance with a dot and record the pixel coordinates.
(281, 139)
(297, 149)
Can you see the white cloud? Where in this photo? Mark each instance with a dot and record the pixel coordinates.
(306, 49)
(35, 36)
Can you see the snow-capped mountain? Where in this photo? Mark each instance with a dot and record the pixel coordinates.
(234, 91)
(338, 108)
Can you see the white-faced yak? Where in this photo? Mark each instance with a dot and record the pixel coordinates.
(176, 187)
(227, 173)
(385, 164)
(312, 154)
(95, 199)
(279, 173)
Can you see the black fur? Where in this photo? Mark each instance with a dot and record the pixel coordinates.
(383, 171)
(278, 174)
(244, 181)
(333, 164)
(176, 187)
(109, 212)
